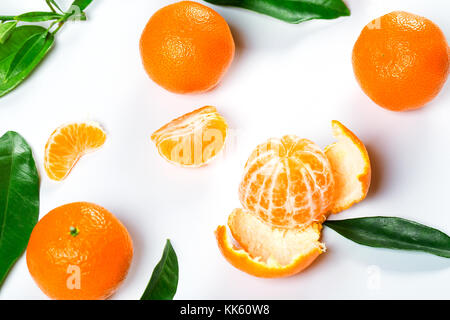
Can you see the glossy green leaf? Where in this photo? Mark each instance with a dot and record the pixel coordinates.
(19, 199)
(393, 233)
(38, 16)
(164, 281)
(6, 29)
(21, 53)
(7, 18)
(26, 54)
(292, 11)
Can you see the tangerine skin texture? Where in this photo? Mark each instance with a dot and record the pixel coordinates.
(187, 47)
(102, 251)
(401, 61)
(288, 183)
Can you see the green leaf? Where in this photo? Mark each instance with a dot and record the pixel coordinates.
(81, 4)
(26, 54)
(292, 11)
(393, 233)
(7, 18)
(38, 16)
(6, 29)
(19, 199)
(21, 53)
(164, 281)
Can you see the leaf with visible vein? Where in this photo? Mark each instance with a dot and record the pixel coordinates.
(26, 54)
(38, 16)
(393, 233)
(16, 61)
(19, 199)
(164, 281)
(292, 11)
(6, 29)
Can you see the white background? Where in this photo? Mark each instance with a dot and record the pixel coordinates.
(286, 79)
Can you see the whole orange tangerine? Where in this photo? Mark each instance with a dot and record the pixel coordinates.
(401, 61)
(79, 251)
(187, 47)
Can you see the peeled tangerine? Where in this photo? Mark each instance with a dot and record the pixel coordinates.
(289, 188)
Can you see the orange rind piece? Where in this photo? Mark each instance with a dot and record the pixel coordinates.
(68, 144)
(194, 139)
(266, 251)
(351, 167)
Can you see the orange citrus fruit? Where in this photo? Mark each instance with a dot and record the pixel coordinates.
(68, 144)
(193, 139)
(187, 47)
(266, 251)
(288, 182)
(351, 167)
(401, 60)
(79, 251)
(289, 188)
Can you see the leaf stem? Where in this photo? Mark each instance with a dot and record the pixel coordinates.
(61, 23)
(50, 6)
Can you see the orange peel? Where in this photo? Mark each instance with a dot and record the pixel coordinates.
(266, 251)
(351, 167)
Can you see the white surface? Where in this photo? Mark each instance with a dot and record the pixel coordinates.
(285, 79)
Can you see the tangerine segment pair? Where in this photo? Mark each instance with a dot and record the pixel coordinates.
(266, 251)
(281, 247)
(288, 182)
(194, 139)
(68, 144)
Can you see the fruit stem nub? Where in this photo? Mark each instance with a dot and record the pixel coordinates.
(74, 231)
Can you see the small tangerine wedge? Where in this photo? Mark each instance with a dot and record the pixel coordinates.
(266, 251)
(68, 144)
(351, 167)
(79, 251)
(288, 183)
(194, 139)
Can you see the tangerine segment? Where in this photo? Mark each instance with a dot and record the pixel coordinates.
(288, 182)
(193, 139)
(68, 144)
(351, 167)
(266, 251)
